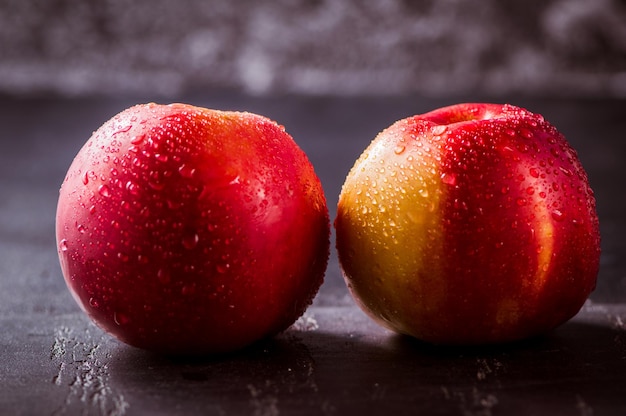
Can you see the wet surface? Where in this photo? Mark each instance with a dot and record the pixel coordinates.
(334, 360)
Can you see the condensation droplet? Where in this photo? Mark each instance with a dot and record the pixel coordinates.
(85, 178)
(399, 149)
(163, 276)
(190, 241)
(222, 268)
(137, 139)
(63, 245)
(558, 215)
(104, 191)
(80, 228)
(534, 172)
(423, 192)
(186, 171)
(439, 129)
(132, 187)
(448, 178)
(122, 130)
(120, 319)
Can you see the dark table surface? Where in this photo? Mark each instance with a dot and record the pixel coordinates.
(334, 360)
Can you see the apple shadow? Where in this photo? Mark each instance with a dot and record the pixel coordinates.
(322, 372)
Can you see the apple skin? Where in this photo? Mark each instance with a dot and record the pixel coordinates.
(471, 224)
(185, 230)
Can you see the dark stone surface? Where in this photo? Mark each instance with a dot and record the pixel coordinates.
(334, 360)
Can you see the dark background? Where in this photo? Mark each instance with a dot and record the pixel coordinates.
(334, 73)
(379, 47)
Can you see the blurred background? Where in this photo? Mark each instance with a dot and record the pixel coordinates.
(317, 47)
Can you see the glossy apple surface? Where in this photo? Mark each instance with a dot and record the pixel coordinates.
(185, 230)
(471, 224)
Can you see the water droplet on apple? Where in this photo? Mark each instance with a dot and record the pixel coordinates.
(163, 276)
(186, 171)
(93, 302)
(439, 129)
(448, 178)
(530, 190)
(132, 187)
(520, 202)
(63, 245)
(188, 289)
(222, 268)
(567, 172)
(122, 129)
(85, 178)
(526, 133)
(104, 191)
(137, 139)
(423, 192)
(120, 319)
(534, 172)
(80, 228)
(157, 186)
(399, 149)
(190, 241)
(558, 215)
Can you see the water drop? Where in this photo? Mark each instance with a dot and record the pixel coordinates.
(93, 302)
(161, 157)
(80, 228)
(186, 171)
(173, 204)
(557, 215)
(104, 191)
(530, 190)
(120, 319)
(190, 241)
(423, 192)
(567, 172)
(157, 186)
(526, 133)
(85, 178)
(163, 276)
(222, 268)
(137, 139)
(63, 245)
(439, 129)
(448, 179)
(534, 172)
(132, 187)
(122, 130)
(399, 149)
(520, 202)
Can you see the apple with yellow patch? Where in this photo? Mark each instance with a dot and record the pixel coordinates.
(470, 224)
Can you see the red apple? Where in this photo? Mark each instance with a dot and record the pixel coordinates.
(471, 224)
(186, 230)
